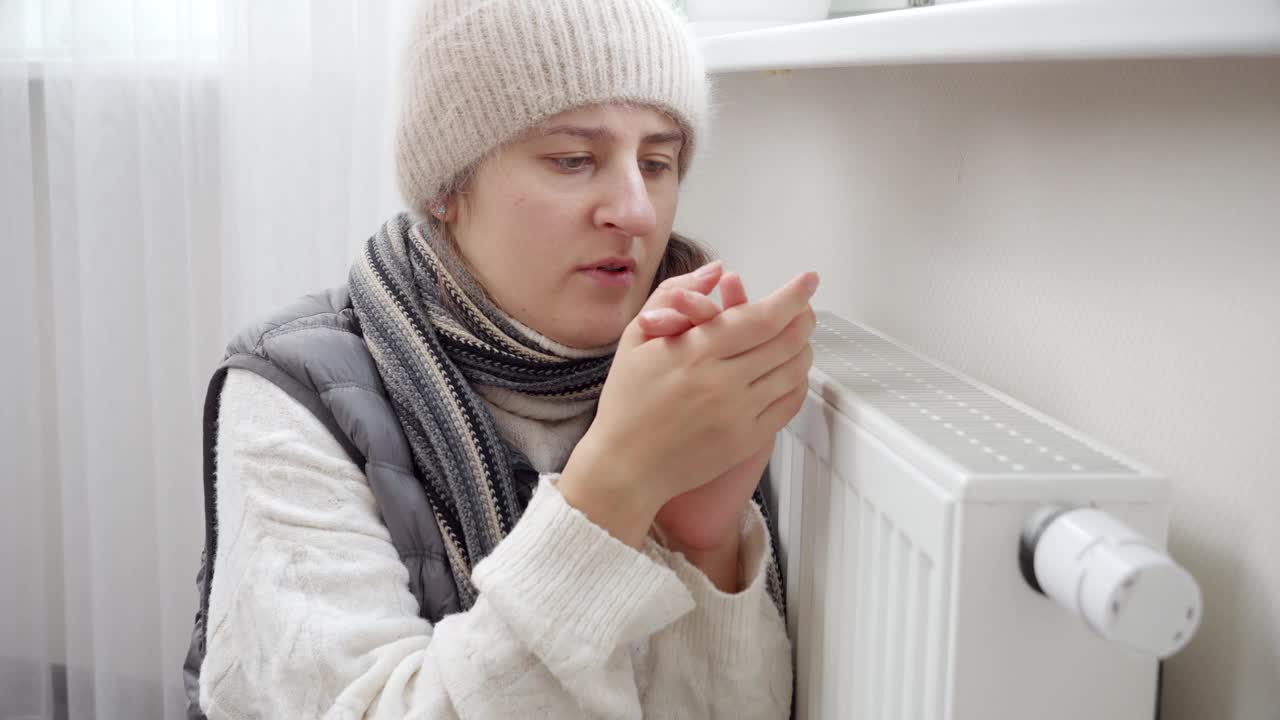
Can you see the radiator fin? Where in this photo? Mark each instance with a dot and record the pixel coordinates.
(864, 610)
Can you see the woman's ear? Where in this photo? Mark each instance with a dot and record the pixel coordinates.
(442, 210)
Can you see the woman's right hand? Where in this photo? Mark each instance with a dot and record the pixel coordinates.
(676, 412)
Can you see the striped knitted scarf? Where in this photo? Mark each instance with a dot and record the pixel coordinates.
(433, 332)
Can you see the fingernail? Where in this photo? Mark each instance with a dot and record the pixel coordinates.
(708, 270)
(651, 316)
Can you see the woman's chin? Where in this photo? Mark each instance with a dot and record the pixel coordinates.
(586, 333)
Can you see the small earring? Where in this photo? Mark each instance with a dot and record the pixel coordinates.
(440, 211)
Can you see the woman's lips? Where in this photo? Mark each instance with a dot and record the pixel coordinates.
(612, 279)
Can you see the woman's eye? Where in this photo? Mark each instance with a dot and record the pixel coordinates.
(656, 167)
(572, 163)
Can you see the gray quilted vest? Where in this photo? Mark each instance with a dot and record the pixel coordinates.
(313, 349)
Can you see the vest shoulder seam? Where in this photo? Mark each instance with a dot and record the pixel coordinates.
(350, 385)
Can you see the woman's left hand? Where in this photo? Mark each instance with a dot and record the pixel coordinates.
(706, 519)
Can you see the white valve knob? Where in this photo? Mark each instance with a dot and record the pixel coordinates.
(1125, 588)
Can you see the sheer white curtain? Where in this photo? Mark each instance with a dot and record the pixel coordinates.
(169, 169)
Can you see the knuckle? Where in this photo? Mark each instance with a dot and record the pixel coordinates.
(800, 367)
(785, 382)
(692, 301)
(669, 295)
(796, 401)
(782, 318)
(699, 346)
(800, 377)
(797, 334)
(672, 298)
(795, 328)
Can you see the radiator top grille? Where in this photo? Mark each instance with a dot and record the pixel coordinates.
(976, 429)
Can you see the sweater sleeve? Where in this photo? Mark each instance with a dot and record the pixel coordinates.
(730, 657)
(310, 614)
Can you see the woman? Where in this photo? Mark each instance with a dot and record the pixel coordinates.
(478, 481)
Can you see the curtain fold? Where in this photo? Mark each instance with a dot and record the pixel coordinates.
(169, 170)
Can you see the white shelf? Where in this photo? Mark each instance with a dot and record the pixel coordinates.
(1009, 30)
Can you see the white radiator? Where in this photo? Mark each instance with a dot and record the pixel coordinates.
(900, 492)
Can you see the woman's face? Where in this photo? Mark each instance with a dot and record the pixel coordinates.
(547, 221)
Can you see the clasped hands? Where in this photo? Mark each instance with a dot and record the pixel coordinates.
(687, 416)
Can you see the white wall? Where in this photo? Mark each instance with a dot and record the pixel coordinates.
(1100, 240)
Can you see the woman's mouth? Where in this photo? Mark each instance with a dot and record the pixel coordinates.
(611, 272)
(611, 276)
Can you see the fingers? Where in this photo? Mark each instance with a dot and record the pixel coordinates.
(764, 358)
(781, 391)
(671, 311)
(663, 322)
(784, 378)
(701, 281)
(732, 292)
(741, 328)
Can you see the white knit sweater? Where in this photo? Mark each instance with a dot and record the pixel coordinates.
(310, 614)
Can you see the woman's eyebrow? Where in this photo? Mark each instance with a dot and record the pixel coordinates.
(604, 133)
(662, 138)
(590, 133)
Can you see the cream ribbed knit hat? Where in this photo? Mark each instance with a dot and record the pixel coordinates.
(478, 73)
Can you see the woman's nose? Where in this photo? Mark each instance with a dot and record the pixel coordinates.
(626, 204)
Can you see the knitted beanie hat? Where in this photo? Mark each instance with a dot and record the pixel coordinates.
(478, 73)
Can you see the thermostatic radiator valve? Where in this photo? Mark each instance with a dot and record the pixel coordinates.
(1124, 588)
